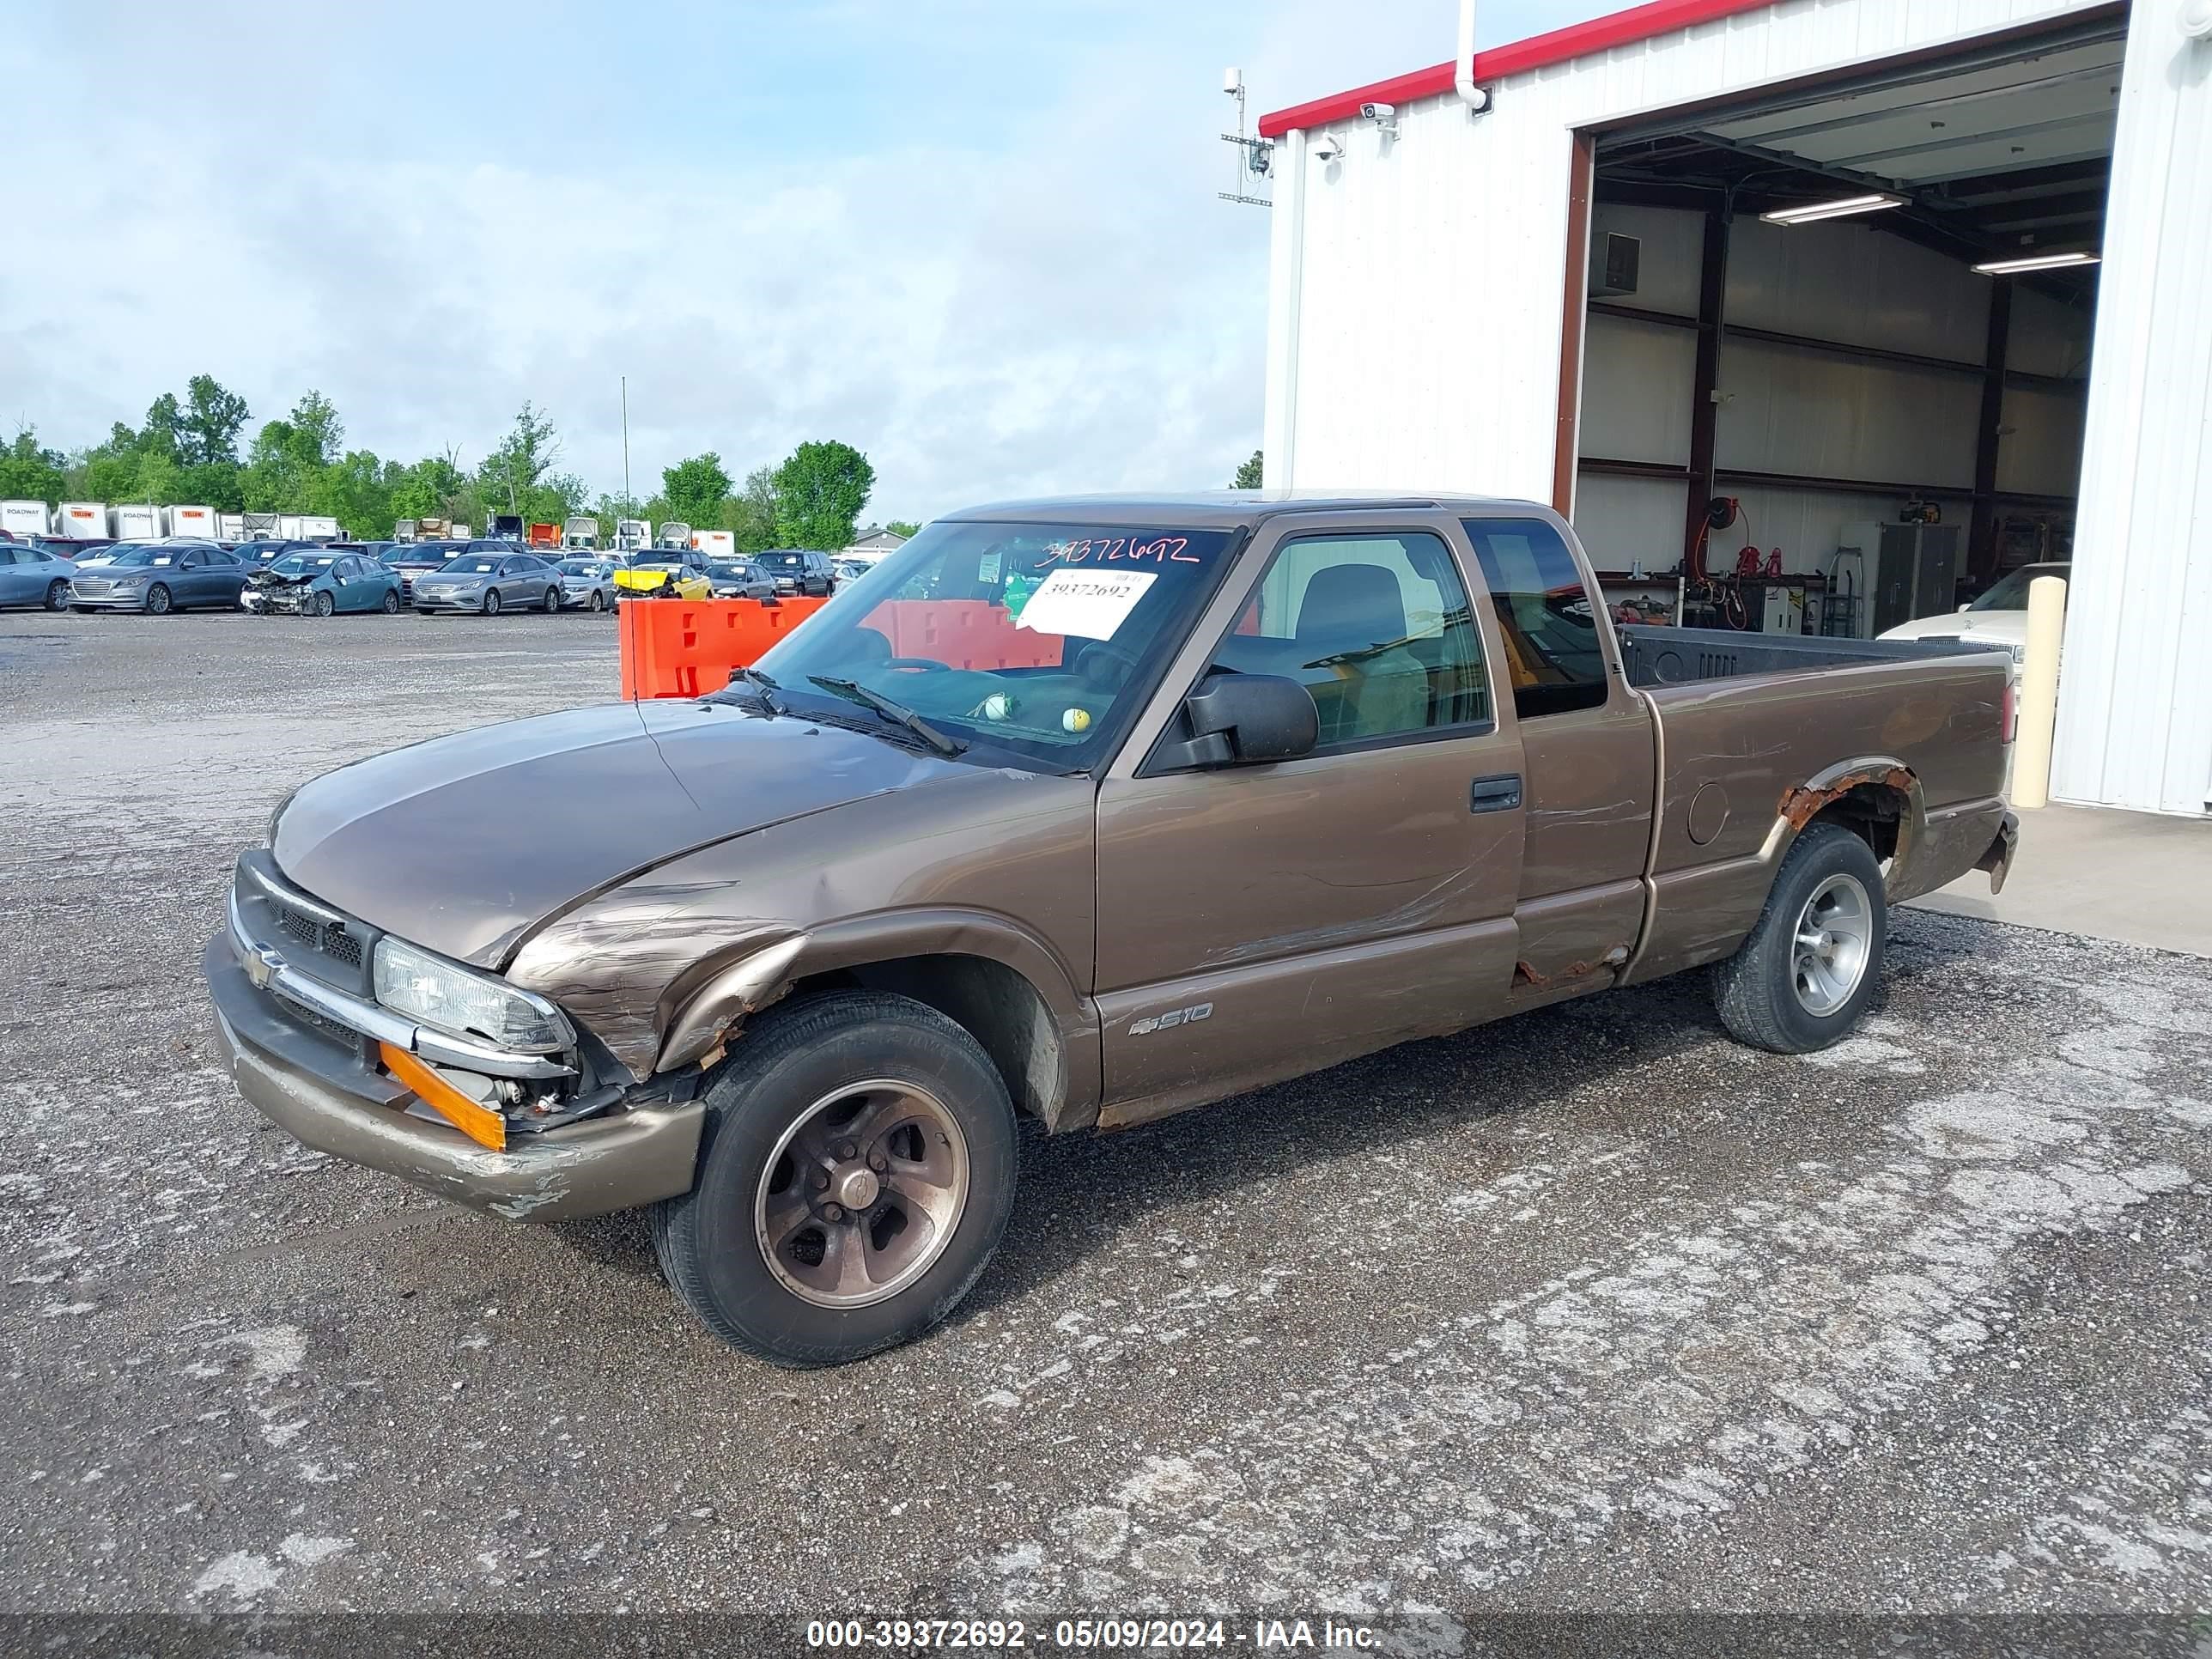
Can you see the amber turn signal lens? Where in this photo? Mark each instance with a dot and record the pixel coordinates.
(479, 1123)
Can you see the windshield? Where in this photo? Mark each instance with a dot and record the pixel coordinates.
(2011, 594)
(471, 568)
(1038, 639)
(582, 568)
(664, 562)
(141, 555)
(790, 560)
(299, 564)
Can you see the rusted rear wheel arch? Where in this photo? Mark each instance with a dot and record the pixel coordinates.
(1878, 800)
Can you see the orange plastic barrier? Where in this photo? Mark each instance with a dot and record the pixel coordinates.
(963, 634)
(687, 648)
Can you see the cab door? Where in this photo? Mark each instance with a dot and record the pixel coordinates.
(1257, 922)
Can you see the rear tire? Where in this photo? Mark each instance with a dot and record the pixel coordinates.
(57, 596)
(390, 603)
(820, 1098)
(552, 600)
(1811, 963)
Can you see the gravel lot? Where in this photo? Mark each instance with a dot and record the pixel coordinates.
(1592, 1308)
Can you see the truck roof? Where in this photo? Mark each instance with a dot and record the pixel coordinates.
(1225, 508)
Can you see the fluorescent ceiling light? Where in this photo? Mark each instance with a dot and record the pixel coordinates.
(1872, 202)
(2035, 262)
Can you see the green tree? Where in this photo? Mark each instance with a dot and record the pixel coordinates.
(285, 464)
(435, 487)
(520, 464)
(207, 432)
(905, 527)
(750, 515)
(819, 492)
(29, 473)
(695, 490)
(1249, 474)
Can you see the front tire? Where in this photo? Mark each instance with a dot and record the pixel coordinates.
(598, 600)
(158, 601)
(856, 1171)
(490, 606)
(323, 604)
(1803, 977)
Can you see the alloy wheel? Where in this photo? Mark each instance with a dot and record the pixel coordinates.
(862, 1194)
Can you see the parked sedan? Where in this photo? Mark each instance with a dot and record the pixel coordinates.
(319, 584)
(160, 577)
(588, 584)
(739, 578)
(490, 583)
(30, 575)
(408, 559)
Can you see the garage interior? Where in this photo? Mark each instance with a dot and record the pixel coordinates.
(1802, 407)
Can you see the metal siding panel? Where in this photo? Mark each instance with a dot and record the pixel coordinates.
(2041, 451)
(1638, 381)
(2133, 729)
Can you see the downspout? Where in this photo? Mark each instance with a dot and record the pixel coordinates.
(1286, 313)
(1475, 98)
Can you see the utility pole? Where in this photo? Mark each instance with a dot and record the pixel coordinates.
(625, 397)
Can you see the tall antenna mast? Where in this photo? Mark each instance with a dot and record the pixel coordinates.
(1258, 153)
(625, 395)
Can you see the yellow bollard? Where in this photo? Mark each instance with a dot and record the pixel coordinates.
(2037, 711)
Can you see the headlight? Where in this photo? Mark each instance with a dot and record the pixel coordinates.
(438, 993)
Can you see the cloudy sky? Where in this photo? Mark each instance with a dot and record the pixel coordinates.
(978, 238)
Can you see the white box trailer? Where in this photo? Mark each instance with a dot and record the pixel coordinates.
(317, 529)
(82, 521)
(581, 533)
(257, 526)
(26, 518)
(230, 526)
(630, 534)
(197, 522)
(135, 523)
(288, 527)
(715, 544)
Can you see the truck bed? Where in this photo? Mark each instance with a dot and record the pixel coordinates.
(1653, 657)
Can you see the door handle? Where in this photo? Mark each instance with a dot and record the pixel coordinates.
(1500, 793)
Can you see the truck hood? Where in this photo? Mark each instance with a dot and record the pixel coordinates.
(1982, 627)
(467, 844)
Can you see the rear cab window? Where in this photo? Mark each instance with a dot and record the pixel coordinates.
(1548, 617)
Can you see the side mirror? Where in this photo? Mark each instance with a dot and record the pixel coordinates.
(1241, 718)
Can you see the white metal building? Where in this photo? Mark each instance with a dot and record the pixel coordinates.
(1579, 296)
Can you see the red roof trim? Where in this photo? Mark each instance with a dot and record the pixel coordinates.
(1576, 40)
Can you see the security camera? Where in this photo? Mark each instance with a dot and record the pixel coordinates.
(1382, 114)
(1326, 149)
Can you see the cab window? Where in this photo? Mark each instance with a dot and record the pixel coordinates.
(1554, 655)
(1377, 628)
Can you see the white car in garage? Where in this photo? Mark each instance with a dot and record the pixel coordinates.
(1998, 617)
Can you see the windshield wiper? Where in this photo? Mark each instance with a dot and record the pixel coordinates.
(853, 690)
(767, 687)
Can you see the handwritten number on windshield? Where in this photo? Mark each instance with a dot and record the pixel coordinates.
(1168, 550)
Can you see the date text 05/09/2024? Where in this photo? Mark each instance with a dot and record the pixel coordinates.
(1088, 1635)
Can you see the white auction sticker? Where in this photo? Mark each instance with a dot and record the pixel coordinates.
(1089, 604)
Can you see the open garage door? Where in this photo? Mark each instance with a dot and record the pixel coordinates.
(1836, 349)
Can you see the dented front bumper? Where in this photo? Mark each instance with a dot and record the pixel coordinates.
(321, 1090)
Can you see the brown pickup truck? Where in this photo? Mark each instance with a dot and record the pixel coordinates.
(1092, 809)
